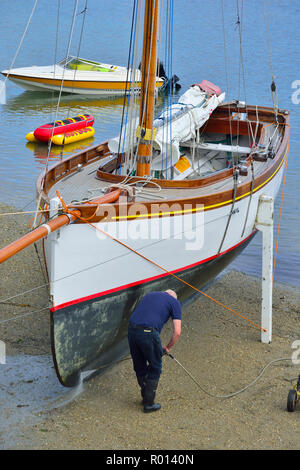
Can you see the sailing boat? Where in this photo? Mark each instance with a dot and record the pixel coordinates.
(168, 204)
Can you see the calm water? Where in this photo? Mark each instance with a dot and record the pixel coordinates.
(198, 54)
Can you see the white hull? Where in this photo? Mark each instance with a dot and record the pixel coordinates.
(51, 78)
(98, 265)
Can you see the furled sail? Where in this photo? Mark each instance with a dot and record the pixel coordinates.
(180, 121)
(193, 109)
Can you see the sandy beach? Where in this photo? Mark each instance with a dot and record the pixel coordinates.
(221, 351)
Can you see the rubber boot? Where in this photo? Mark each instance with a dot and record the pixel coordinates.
(142, 384)
(149, 396)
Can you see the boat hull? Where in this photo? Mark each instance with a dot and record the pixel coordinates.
(82, 87)
(95, 292)
(90, 335)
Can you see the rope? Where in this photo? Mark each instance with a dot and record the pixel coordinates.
(230, 395)
(23, 315)
(26, 212)
(21, 42)
(273, 85)
(251, 194)
(58, 104)
(156, 264)
(235, 176)
(226, 68)
(129, 63)
(75, 70)
(46, 284)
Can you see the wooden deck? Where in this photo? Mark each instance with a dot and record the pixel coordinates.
(83, 184)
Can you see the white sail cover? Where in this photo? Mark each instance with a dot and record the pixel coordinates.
(178, 123)
(193, 109)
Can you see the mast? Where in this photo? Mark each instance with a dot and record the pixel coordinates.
(148, 69)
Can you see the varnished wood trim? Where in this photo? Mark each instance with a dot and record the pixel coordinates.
(208, 202)
(69, 166)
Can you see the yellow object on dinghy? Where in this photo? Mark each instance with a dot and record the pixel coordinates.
(74, 136)
(30, 137)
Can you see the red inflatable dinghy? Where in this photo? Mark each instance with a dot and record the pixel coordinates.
(45, 132)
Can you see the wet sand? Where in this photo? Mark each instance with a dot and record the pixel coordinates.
(221, 351)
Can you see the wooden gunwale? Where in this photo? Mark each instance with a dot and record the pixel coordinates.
(216, 126)
(58, 171)
(209, 201)
(48, 178)
(153, 209)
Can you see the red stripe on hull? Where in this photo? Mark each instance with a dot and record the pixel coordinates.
(143, 281)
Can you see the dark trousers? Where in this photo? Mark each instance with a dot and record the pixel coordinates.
(146, 352)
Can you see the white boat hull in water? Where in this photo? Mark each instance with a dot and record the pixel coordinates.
(97, 79)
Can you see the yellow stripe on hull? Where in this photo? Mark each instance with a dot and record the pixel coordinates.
(80, 84)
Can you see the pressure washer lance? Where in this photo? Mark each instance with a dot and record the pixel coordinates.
(231, 394)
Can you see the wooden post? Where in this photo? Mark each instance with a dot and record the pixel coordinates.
(264, 223)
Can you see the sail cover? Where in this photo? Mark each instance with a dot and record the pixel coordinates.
(179, 122)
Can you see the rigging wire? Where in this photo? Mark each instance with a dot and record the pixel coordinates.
(57, 107)
(170, 91)
(145, 91)
(17, 317)
(133, 103)
(20, 43)
(76, 68)
(281, 202)
(269, 47)
(126, 98)
(56, 44)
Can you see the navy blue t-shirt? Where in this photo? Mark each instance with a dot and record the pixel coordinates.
(155, 309)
